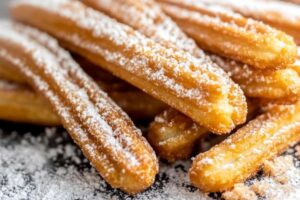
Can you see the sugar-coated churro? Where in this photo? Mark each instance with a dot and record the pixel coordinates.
(240, 156)
(103, 131)
(173, 135)
(231, 35)
(258, 83)
(144, 108)
(282, 15)
(186, 83)
(146, 17)
(18, 103)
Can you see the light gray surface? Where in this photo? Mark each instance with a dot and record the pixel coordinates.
(3, 8)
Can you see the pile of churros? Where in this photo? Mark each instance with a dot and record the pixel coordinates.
(225, 69)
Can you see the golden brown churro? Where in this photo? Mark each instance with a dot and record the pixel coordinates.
(258, 83)
(103, 131)
(144, 108)
(146, 17)
(18, 103)
(281, 15)
(184, 82)
(240, 156)
(231, 35)
(149, 20)
(173, 135)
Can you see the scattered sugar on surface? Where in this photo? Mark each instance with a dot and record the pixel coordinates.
(50, 166)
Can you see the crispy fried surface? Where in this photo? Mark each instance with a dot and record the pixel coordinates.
(188, 84)
(173, 135)
(258, 83)
(231, 35)
(101, 129)
(240, 156)
(19, 103)
(144, 108)
(146, 17)
(281, 15)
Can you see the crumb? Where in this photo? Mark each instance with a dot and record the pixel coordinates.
(239, 192)
(260, 187)
(278, 168)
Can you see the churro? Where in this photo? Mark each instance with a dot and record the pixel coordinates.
(100, 128)
(146, 17)
(173, 135)
(186, 83)
(258, 83)
(231, 35)
(281, 15)
(144, 108)
(18, 103)
(241, 155)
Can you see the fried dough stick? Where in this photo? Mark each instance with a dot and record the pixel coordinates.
(231, 35)
(241, 155)
(281, 15)
(189, 84)
(105, 134)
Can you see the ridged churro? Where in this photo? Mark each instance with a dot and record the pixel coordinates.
(144, 108)
(241, 155)
(103, 131)
(258, 83)
(146, 17)
(186, 83)
(18, 103)
(282, 15)
(173, 135)
(231, 35)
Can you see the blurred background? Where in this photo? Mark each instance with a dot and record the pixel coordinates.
(3, 8)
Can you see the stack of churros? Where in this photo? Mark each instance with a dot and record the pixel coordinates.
(200, 69)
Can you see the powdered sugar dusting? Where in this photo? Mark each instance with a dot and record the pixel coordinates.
(146, 17)
(178, 64)
(78, 102)
(46, 166)
(270, 10)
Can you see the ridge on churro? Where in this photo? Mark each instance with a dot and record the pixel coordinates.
(105, 134)
(184, 82)
(231, 35)
(281, 15)
(144, 108)
(240, 155)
